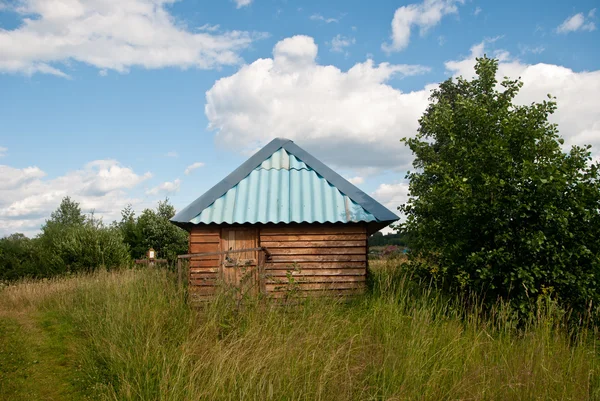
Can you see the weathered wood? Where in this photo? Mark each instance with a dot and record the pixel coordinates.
(203, 255)
(313, 237)
(307, 230)
(316, 272)
(318, 258)
(358, 250)
(345, 293)
(311, 244)
(202, 230)
(204, 282)
(314, 286)
(239, 259)
(303, 265)
(205, 239)
(204, 248)
(204, 270)
(203, 263)
(316, 279)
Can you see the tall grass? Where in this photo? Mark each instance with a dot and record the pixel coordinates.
(137, 339)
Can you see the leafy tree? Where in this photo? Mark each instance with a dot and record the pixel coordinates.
(496, 206)
(72, 242)
(68, 213)
(152, 229)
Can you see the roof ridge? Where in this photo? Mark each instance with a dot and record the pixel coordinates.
(370, 205)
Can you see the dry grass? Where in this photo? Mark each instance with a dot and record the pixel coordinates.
(134, 338)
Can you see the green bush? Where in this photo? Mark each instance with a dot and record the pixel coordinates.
(19, 257)
(496, 206)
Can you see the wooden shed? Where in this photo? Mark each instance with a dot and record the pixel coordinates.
(312, 223)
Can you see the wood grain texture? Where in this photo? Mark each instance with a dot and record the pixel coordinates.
(323, 259)
(319, 257)
(203, 270)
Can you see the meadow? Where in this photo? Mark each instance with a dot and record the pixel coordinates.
(130, 335)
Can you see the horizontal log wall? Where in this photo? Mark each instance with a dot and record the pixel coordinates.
(204, 270)
(323, 259)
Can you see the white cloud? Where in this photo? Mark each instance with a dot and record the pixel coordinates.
(172, 154)
(193, 167)
(356, 180)
(578, 22)
(424, 15)
(339, 43)
(3, 151)
(110, 35)
(578, 116)
(319, 17)
(165, 187)
(28, 197)
(351, 118)
(391, 195)
(477, 11)
(242, 3)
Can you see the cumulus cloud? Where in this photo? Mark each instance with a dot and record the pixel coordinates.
(3, 151)
(110, 35)
(424, 15)
(339, 43)
(165, 187)
(28, 197)
(578, 22)
(354, 119)
(193, 167)
(351, 118)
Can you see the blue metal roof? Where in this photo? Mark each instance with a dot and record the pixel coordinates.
(283, 189)
(282, 183)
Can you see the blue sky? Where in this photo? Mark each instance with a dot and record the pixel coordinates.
(110, 102)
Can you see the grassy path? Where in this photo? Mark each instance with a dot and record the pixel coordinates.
(36, 358)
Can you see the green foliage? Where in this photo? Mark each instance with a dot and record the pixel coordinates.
(379, 239)
(69, 242)
(19, 257)
(496, 206)
(152, 229)
(84, 247)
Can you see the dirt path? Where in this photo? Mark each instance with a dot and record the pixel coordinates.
(36, 358)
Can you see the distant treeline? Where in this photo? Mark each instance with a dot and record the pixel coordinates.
(71, 242)
(379, 239)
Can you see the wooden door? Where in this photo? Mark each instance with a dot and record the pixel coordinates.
(240, 269)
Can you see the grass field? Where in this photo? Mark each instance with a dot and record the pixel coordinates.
(129, 335)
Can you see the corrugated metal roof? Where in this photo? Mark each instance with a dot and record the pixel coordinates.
(283, 189)
(283, 183)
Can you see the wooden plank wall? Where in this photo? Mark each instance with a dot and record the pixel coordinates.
(332, 259)
(204, 271)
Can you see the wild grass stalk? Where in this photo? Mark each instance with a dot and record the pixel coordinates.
(135, 338)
